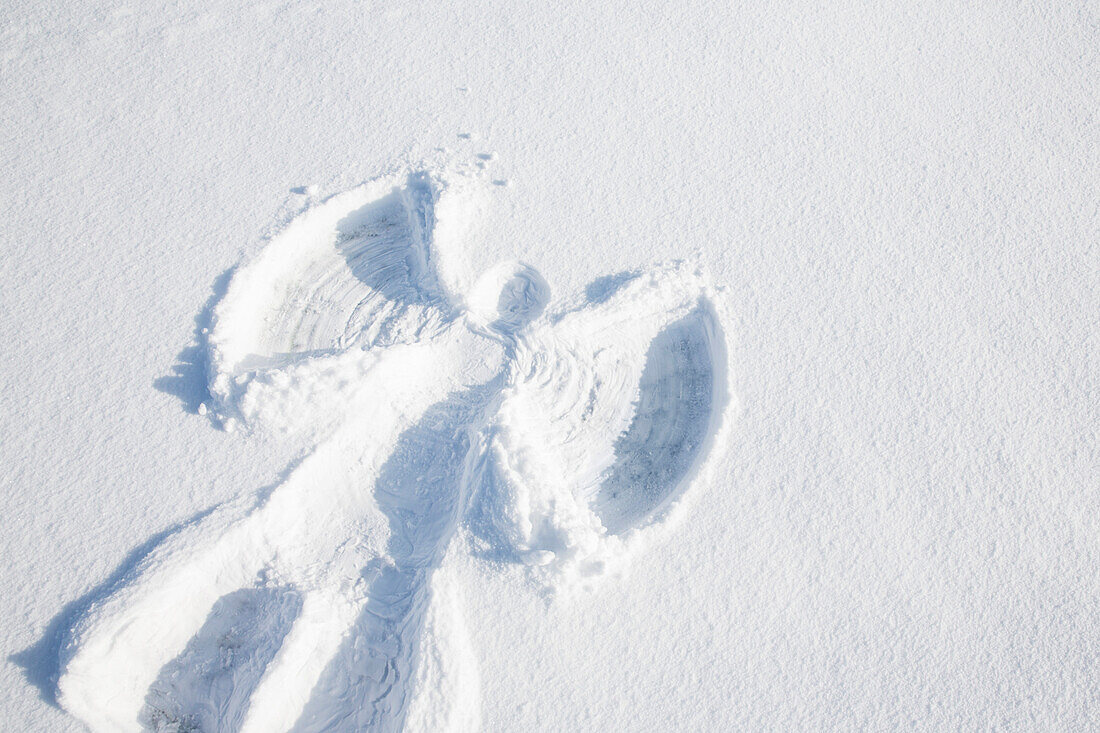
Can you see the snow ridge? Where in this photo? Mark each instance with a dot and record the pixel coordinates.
(429, 402)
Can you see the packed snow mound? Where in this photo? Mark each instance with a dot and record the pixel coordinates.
(431, 401)
(508, 297)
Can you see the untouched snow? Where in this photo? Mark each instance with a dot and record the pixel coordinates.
(887, 224)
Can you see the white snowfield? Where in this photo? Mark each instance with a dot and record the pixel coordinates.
(845, 479)
(440, 413)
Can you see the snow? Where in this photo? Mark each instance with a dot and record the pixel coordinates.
(892, 211)
(561, 440)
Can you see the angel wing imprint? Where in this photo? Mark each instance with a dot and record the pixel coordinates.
(432, 406)
(608, 413)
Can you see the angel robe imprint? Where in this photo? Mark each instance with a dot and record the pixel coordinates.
(428, 404)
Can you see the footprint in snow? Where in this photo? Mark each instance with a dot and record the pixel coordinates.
(432, 401)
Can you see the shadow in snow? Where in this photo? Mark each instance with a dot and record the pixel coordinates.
(422, 490)
(672, 419)
(42, 661)
(188, 380)
(380, 290)
(386, 243)
(207, 687)
(601, 289)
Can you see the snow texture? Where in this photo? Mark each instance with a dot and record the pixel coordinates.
(264, 262)
(567, 438)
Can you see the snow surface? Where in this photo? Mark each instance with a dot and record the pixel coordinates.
(561, 441)
(894, 211)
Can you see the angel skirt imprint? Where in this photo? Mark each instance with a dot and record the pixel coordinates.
(431, 406)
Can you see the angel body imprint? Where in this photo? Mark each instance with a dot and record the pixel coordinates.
(430, 403)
